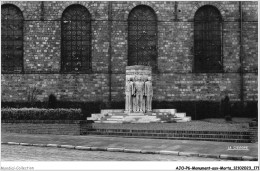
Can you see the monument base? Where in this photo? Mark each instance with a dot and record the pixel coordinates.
(155, 116)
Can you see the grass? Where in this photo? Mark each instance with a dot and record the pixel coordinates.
(210, 124)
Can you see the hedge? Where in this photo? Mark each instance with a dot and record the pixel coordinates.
(87, 108)
(41, 114)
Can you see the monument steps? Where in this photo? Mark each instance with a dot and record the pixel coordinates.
(110, 121)
(138, 118)
(181, 115)
(105, 111)
(117, 117)
(113, 119)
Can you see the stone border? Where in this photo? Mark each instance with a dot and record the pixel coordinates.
(127, 150)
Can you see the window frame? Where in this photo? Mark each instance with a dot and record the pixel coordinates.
(154, 19)
(21, 63)
(197, 69)
(89, 42)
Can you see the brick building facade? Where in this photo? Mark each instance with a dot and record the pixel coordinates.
(175, 80)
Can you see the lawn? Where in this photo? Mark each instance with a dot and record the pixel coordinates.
(210, 124)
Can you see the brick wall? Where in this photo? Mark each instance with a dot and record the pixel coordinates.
(43, 127)
(174, 81)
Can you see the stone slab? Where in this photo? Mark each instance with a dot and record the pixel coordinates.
(117, 117)
(113, 119)
(180, 115)
(171, 111)
(181, 121)
(109, 122)
(136, 114)
(93, 119)
(105, 111)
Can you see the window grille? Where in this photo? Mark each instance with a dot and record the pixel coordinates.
(142, 37)
(208, 40)
(76, 39)
(12, 39)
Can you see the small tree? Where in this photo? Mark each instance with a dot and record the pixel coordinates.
(32, 93)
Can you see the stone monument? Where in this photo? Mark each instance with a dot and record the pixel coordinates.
(138, 102)
(140, 88)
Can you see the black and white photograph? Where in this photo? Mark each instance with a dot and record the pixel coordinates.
(164, 85)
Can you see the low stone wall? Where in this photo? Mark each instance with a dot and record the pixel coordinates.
(64, 127)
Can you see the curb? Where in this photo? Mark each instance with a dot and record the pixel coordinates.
(25, 144)
(115, 149)
(163, 152)
(169, 152)
(132, 150)
(40, 145)
(209, 155)
(12, 143)
(98, 149)
(82, 148)
(249, 158)
(67, 146)
(149, 152)
(189, 154)
(229, 157)
(52, 145)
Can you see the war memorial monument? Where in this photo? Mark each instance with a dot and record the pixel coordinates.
(138, 102)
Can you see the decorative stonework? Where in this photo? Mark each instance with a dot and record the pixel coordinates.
(138, 88)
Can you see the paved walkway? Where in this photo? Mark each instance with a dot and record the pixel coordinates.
(17, 153)
(189, 146)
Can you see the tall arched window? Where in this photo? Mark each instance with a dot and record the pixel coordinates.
(76, 39)
(12, 39)
(207, 40)
(142, 37)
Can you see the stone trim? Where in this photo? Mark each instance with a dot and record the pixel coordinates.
(147, 3)
(212, 3)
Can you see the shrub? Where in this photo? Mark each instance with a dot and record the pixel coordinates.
(225, 106)
(41, 114)
(52, 103)
(228, 118)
